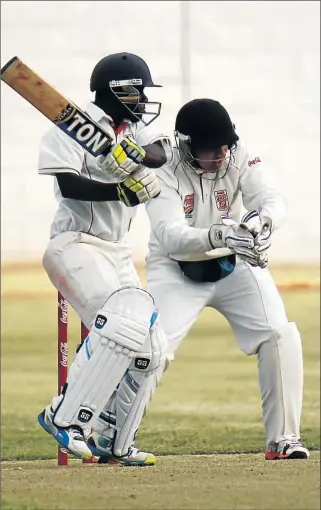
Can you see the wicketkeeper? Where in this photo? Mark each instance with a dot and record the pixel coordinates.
(205, 252)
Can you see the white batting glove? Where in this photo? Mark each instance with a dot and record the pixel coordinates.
(144, 183)
(260, 228)
(123, 159)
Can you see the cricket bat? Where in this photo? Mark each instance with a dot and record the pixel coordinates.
(56, 107)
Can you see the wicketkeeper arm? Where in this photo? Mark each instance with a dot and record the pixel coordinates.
(260, 193)
(169, 225)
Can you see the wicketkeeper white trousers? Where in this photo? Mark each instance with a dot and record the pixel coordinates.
(252, 305)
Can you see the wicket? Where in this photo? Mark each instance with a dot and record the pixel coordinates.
(63, 361)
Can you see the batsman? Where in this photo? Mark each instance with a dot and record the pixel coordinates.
(88, 259)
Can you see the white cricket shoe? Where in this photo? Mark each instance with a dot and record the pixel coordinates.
(134, 457)
(71, 438)
(287, 450)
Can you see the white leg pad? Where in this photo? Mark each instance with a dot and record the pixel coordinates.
(105, 426)
(116, 428)
(281, 381)
(136, 388)
(120, 330)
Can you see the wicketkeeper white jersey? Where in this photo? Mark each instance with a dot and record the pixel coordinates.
(59, 153)
(190, 203)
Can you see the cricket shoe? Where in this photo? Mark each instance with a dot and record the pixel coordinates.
(287, 450)
(134, 457)
(70, 438)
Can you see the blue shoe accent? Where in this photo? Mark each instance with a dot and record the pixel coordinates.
(60, 435)
(95, 451)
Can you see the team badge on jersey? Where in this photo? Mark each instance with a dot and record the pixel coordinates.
(189, 205)
(221, 199)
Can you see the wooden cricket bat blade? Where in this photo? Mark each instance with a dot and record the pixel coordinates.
(56, 107)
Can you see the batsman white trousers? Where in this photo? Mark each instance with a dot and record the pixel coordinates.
(86, 270)
(252, 305)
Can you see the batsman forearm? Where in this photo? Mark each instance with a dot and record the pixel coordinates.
(155, 155)
(77, 187)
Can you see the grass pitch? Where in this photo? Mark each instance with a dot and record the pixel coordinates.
(208, 403)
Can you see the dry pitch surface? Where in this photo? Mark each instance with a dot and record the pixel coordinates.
(176, 482)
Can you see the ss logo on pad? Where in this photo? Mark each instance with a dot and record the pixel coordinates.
(100, 321)
(85, 415)
(142, 363)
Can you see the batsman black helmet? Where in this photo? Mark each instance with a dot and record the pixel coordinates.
(119, 81)
(118, 67)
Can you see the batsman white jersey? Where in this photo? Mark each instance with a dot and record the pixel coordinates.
(109, 221)
(180, 219)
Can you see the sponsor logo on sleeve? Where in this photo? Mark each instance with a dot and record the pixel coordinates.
(254, 161)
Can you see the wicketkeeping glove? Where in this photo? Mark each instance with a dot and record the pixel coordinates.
(123, 159)
(260, 229)
(139, 187)
(230, 234)
(238, 239)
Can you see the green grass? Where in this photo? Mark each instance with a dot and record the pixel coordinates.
(207, 402)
